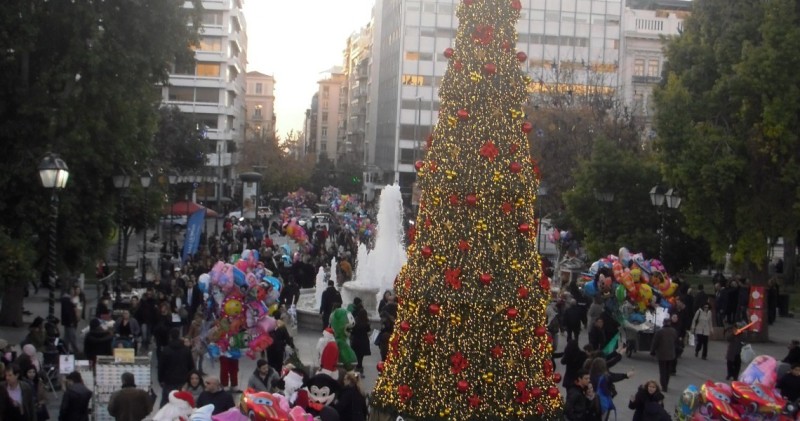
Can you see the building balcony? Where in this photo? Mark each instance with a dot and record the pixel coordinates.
(647, 80)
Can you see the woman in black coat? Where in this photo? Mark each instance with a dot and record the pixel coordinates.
(573, 359)
(648, 403)
(351, 403)
(359, 338)
(276, 353)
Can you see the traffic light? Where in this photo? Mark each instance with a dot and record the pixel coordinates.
(356, 179)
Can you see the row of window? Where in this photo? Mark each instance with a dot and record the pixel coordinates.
(652, 68)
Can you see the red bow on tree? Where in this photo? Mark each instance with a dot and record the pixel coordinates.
(453, 277)
(483, 34)
(459, 363)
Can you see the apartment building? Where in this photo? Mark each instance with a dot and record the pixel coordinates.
(643, 56)
(328, 114)
(571, 44)
(212, 90)
(260, 105)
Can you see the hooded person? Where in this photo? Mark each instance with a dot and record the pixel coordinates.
(328, 354)
(322, 391)
(342, 322)
(179, 408)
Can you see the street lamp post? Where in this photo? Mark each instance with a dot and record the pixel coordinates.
(661, 198)
(53, 173)
(121, 182)
(145, 179)
(172, 177)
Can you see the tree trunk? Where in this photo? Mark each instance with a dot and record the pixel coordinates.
(11, 313)
(789, 258)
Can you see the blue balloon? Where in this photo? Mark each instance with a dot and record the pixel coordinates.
(213, 350)
(234, 354)
(665, 304)
(590, 289)
(239, 277)
(275, 282)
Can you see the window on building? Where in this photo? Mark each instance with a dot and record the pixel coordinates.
(326, 92)
(638, 67)
(207, 95)
(181, 94)
(324, 132)
(211, 18)
(323, 147)
(653, 68)
(259, 88)
(412, 56)
(208, 69)
(208, 120)
(324, 116)
(210, 44)
(413, 80)
(257, 111)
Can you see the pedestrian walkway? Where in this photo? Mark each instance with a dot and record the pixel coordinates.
(691, 370)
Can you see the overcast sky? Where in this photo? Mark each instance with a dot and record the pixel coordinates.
(295, 41)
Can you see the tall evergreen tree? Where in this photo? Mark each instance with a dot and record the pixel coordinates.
(470, 341)
(728, 128)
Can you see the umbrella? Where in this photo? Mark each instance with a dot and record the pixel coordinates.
(187, 208)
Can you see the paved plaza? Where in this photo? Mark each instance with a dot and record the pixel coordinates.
(691, 370)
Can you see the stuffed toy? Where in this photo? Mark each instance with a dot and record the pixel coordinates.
(322, 391)
(203, 413)
(293, 382)
(179, 407)
(232, 414)
(342, 323)
(328, 354)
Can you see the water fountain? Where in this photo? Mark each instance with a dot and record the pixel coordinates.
(377, 269)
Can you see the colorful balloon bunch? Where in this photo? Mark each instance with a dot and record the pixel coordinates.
(629, 277)
(245, 297)
(745, 399)
(300, 199)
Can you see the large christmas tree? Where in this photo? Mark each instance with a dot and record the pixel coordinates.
(470, 341)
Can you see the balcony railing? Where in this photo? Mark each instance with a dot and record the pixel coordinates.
(652, 80)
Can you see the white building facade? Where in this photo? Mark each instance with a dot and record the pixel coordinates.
(213, 92)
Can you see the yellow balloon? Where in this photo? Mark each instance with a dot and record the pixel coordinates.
(273, 308)
(645, 293)
(233, 307)
(671, 290)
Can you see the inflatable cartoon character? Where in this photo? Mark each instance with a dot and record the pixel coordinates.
(762, 370)
(322, 391)
(758, 398)
(342, 322)
(179, 407)
(328, 354)
(688, 403)
(717, 403)
(262, 406)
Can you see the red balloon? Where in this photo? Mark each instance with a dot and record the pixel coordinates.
(486, 278)
(448, 52)
(527, 127)
(463, 386)
(419, 164)
(544, 282)
(469, 2)
(380, 366)
(458, 66)
(405, 326)
(524, 228)
(552, 392)
(490, 68)
(536, 392)
(540, 331)
(516, 5)
(434, 308)
(453, 200)
(548, 367)
(521, 56)
(429, 338)
(472, 199)
(427, 251)
(515, 167)
(527, 352)
(557, 377)
(463, 114)
(523, 292)
(512, 313)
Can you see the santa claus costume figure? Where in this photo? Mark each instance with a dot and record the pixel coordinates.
(179, 407)
(328, 354)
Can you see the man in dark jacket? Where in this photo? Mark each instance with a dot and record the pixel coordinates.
(98, 341)
(129, 403)
(69, 319)
(146, 315)
(329, 299)
(699, 299)
(22, 409)
(720, 303)
(572, 320)
(663, 348)
(582, 403)
(75, 403)
(192, 299)
(214, 394)
(174, 365)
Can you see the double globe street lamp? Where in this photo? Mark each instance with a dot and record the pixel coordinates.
(54, 174)
(146, 178)
(122, 181)
(661, 198)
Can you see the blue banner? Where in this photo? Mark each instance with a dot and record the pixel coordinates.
(193, 228)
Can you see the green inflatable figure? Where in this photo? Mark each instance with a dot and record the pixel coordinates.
(342, 322)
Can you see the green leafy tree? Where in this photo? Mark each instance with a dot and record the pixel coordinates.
(470, 341)
(728, 128)
(268, 155)
(78, 78)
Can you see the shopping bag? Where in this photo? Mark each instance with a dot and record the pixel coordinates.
(747, 354)
(374, 336)
(692, 340)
